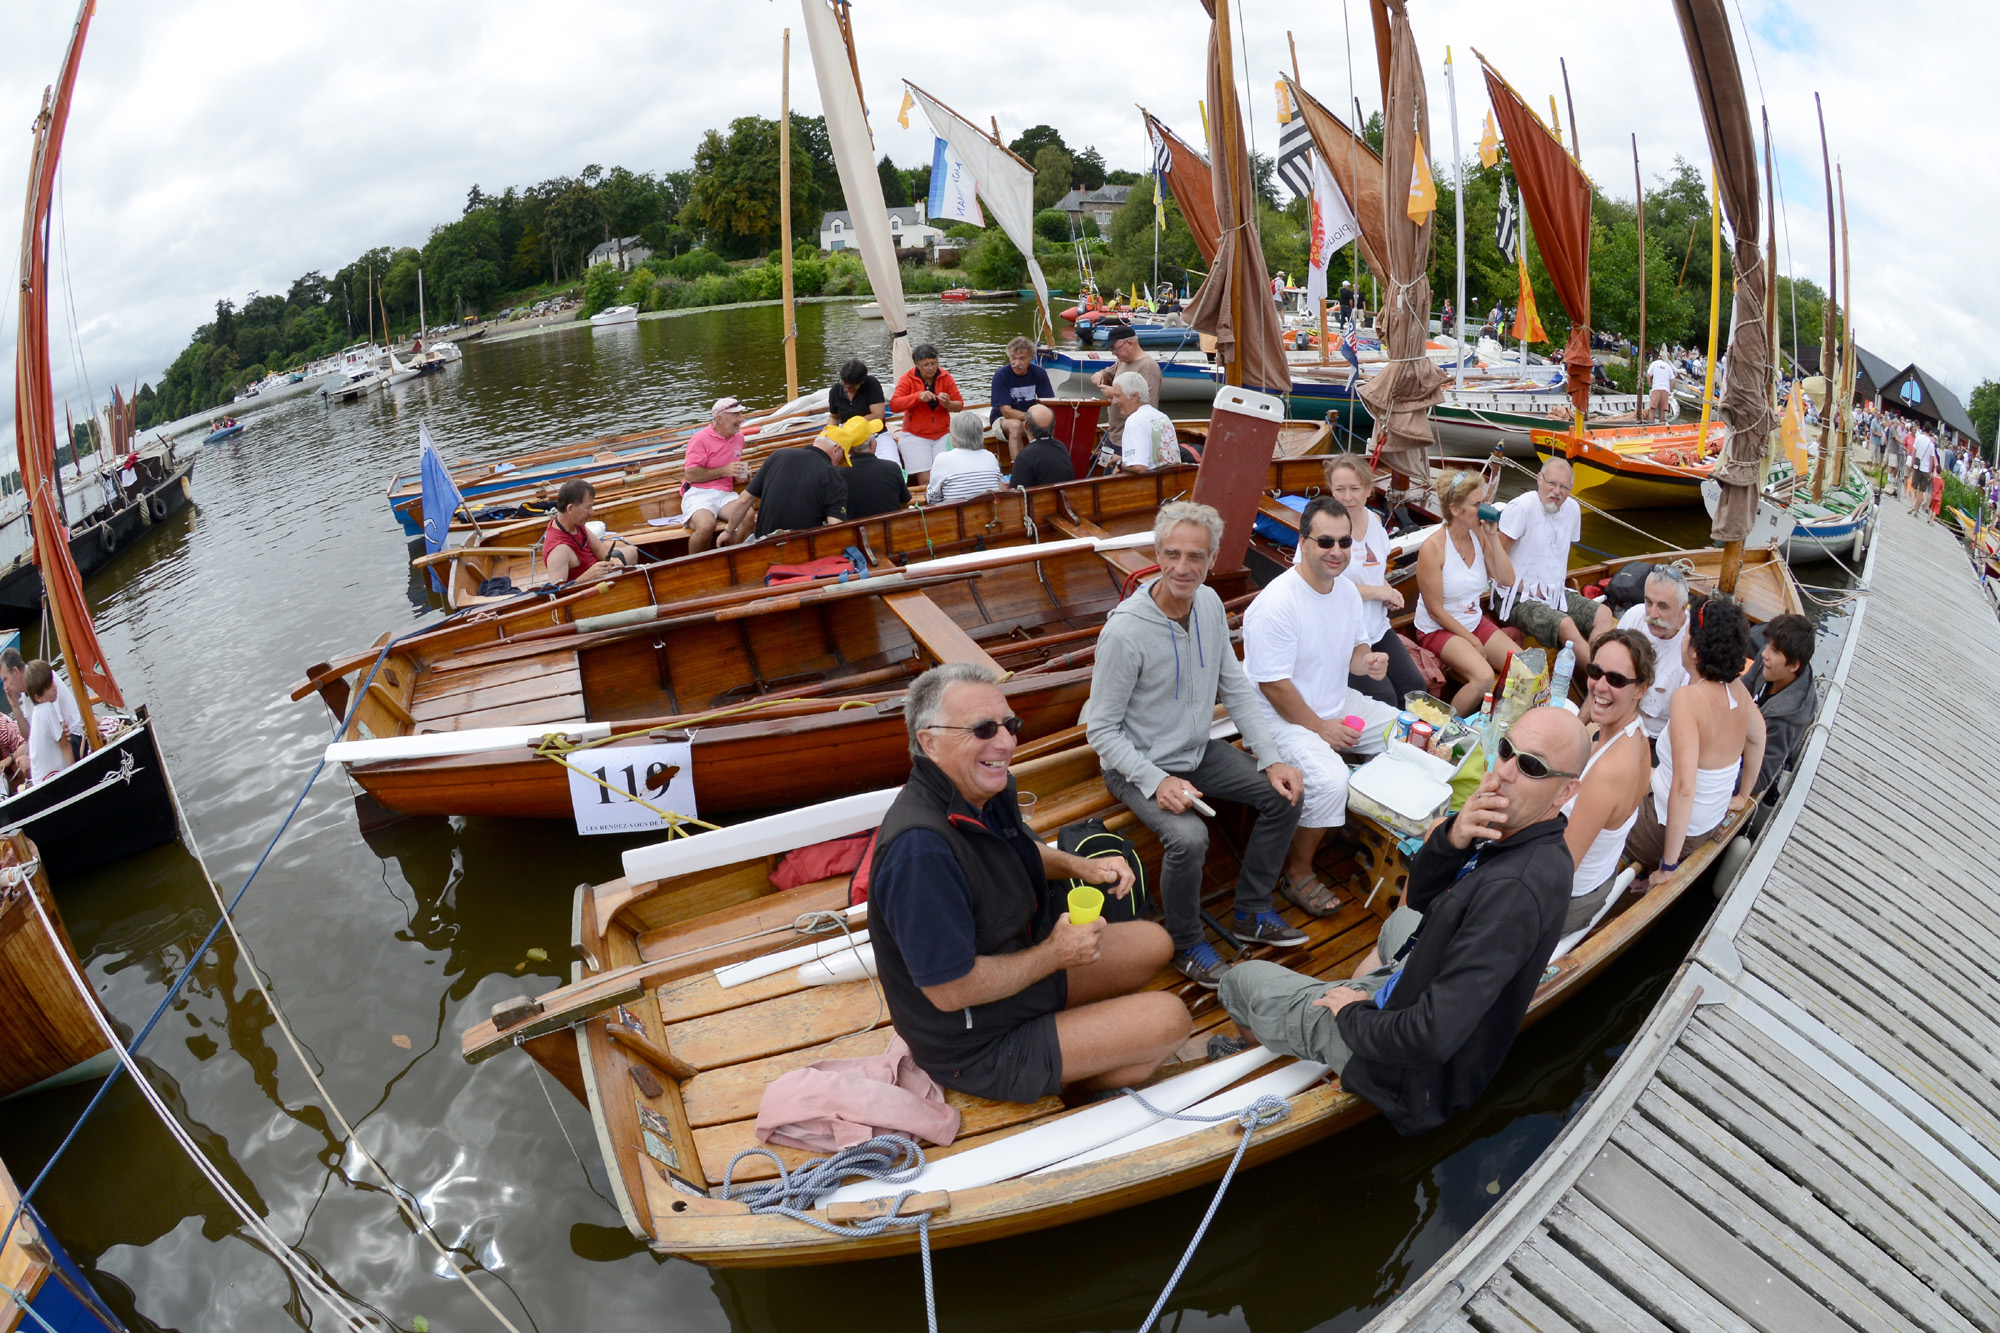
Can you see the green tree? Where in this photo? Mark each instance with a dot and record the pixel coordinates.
(1054, 172)
(1035, 138)
(895, 185)
(810, 132)
(1130, 256)
(993, 261)
(1984, 407)
(600, 287)
(734, 196)
(1052, 225)
(1090, 168)
(463, 263)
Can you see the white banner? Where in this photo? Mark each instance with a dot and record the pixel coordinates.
(1333, 226)
(662, 774)
(954, 194)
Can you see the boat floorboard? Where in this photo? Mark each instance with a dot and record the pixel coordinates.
(1802, 1135)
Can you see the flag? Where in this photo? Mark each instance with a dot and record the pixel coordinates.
(903, 116)
(1489, 144)
(1333, 226)
(1527, 324)
(1285, 112)
(1295, 158)
(1163, 161)
(1507, 226)
(1423, 190)
(954, 194)
(442, 500)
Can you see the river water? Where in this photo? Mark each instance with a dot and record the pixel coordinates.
(383, 947)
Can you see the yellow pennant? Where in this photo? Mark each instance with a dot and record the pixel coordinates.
(1555, 121)
(903, 116)
(1489, 144)
(1284, 103)
(1423, 191)
(1527, 323)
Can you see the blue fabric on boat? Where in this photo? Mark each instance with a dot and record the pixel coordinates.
(441, 499)
(1270, 529)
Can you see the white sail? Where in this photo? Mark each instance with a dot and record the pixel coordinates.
(1006, 183)
(854, 158)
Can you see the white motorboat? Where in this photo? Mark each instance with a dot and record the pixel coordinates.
(868, 310)
(617, 314)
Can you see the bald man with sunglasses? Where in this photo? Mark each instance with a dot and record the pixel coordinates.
(1423, 1025)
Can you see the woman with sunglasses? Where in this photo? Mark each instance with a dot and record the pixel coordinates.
(1351, 481)
(1713, 749)
(1606, 804)
(1455, 566)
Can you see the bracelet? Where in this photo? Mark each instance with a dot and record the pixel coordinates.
(1669, 867)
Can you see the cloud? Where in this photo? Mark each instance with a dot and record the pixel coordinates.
(222, 147)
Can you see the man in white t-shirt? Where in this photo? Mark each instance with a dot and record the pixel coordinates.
(1663, 618)
(1661, 374)
(50, 749)
(1146, 440)
(1302, 638)
(1537, 528)
(14, 679)
(1924, 457)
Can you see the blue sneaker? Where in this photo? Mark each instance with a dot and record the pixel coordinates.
(1266, 928)
(1201, 965)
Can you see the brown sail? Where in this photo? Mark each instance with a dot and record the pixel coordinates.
(1746, 401)
(1403, 393)
(1557, 196)
(1356, 169)
(1190, 181)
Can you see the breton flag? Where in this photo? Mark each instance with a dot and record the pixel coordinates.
(1507, 226)
(1489, 144)
(1295, 157)
(954, 194)
(1423, 190)
(1163, 161)
(1333, 226)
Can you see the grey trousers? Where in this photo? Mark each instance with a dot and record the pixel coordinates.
(1275, 1004)
(1225, 773)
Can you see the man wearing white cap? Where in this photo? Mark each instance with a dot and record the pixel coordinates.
(710, 470)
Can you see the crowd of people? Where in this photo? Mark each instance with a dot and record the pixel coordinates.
(862, 463)
(1683, 720)
(1918, 461)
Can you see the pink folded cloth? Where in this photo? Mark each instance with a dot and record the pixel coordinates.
(838, 1103)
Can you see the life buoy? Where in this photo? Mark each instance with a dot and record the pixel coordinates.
(107, 538)
(157, 507)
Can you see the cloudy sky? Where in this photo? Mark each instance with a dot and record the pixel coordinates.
(222, 147)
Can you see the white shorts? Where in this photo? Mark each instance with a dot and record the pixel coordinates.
(918, 451)
(695, 499)
(1325, 804)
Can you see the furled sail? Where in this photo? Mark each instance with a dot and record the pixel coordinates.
(1005, 182)
(854, 158)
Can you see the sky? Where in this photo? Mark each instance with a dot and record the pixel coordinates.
(220, 147)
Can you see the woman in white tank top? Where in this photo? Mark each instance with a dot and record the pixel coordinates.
(1454, 567)
(1607, 801)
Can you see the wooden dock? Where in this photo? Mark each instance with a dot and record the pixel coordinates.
(1803, 1135)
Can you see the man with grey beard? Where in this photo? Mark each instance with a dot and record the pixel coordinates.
(1664, 618)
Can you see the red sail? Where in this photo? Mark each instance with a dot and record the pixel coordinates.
(34, 395)
(1191, 183)
(1557, 195)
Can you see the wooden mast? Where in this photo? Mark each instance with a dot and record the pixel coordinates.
(785, 220)
(1639, 196)
(1847, 352)
(1826, 361)
(1714, 304)
(1225, 162)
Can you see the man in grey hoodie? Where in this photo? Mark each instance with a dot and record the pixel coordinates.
(1163, 660)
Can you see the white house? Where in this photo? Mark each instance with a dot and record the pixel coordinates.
(907, 227)
(1100, 204)
(625, 251)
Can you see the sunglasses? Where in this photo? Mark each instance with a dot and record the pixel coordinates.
(1611, 678)
(1532, 765)
(987, 728)
(1328, 543)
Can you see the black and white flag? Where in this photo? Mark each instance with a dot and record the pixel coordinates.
(1163, 157)
(1295, 157)
(1507, 226)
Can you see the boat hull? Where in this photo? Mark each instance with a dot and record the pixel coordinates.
(94, 546)
(123, 806)
(1612, 474)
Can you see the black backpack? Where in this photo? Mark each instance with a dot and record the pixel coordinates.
(1628, 586)
(1089, 838)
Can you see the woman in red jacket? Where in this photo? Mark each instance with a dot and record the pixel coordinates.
(926, 396)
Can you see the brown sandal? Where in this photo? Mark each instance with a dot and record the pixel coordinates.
(1313, 896)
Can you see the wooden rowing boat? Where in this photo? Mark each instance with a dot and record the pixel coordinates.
(672, 1064)
(48, 1035)
(1644, 467)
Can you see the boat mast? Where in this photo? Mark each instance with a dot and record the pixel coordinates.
(1826, 359)
(1847, 354)
(1714, 303)
(791, 338)
(1458, 194)
(420, 303)
(1232, 365)
(1639, 197)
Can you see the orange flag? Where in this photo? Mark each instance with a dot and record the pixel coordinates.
(1423, 191)
(1489, 144)
(1527, 324)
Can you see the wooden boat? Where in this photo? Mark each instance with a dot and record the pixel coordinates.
(34, 1264)
(48, 1036)
(672, 1064)
(1982, 542)
(1642, 467)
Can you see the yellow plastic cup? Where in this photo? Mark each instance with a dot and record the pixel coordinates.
(1086, 904)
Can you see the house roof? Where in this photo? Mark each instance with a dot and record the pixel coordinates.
(1873, 373)
(1914, 390)
(910, 217)
(613, 247)
(1078, 200)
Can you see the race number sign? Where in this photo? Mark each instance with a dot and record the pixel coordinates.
(604, 781)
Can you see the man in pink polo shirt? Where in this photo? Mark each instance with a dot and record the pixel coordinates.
(710, 470)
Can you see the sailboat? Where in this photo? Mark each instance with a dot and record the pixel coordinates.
(113, 801)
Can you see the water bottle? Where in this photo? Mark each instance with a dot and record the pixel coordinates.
(1559, 682)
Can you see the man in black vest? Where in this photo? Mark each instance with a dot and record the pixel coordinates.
(954, 889)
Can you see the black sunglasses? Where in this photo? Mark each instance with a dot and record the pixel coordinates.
(986, 728)
(1616, 681)
(1532, 765)
(1328, 543)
